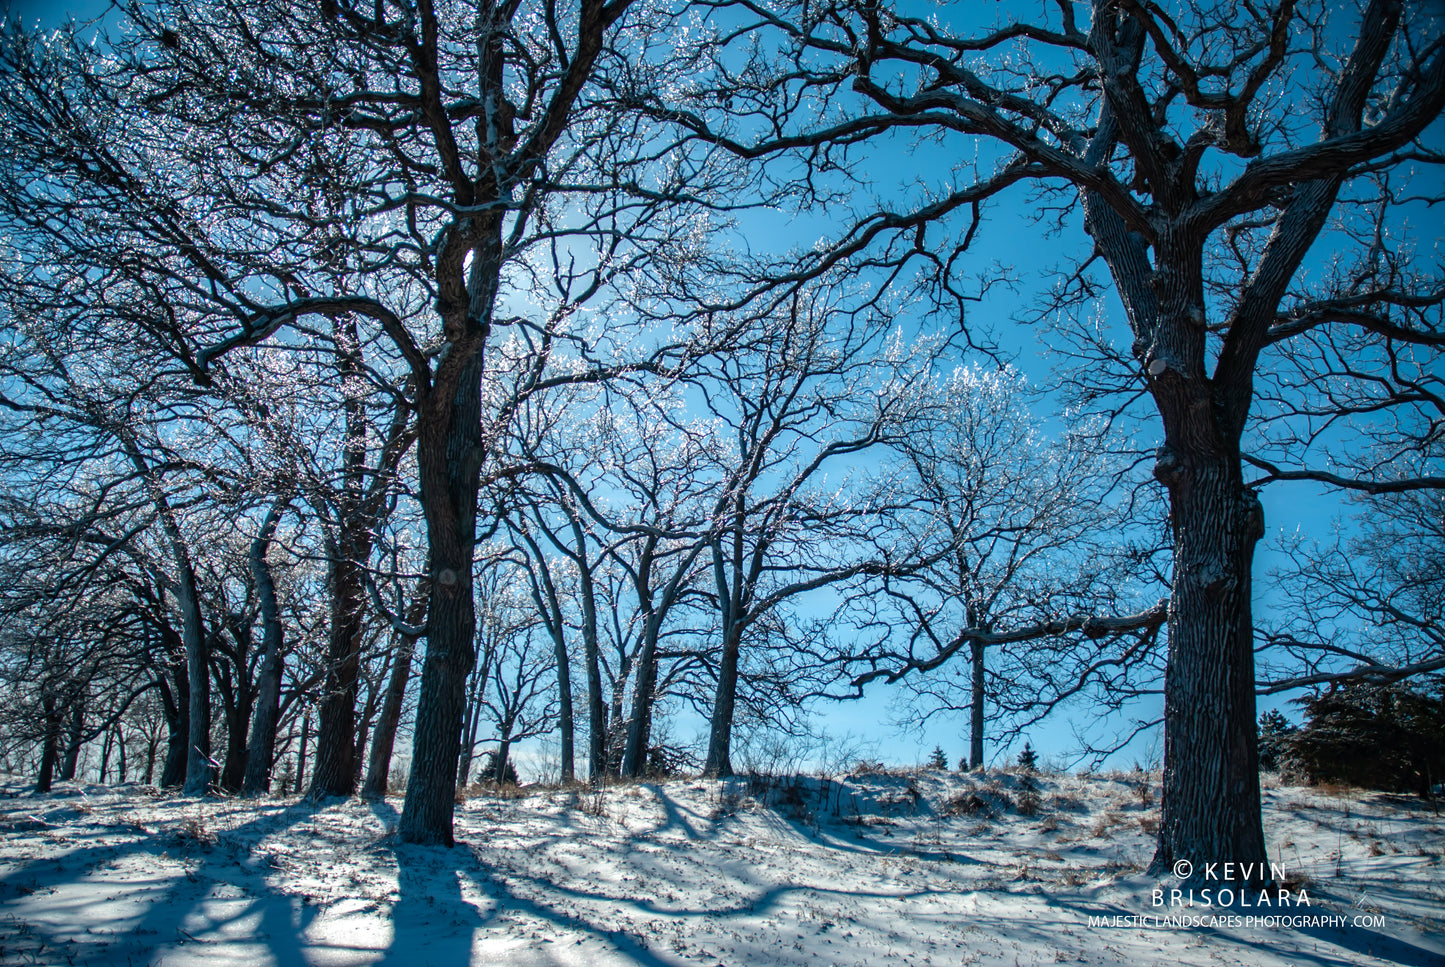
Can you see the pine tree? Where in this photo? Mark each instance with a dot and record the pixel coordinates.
(1386, 737)
(1028, 758)
(937, 760)
(1275, 735)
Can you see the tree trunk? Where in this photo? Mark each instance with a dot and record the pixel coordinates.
(238, 697)
(564, 702)
(49, 745)
(261, 748)
(335, 768)
(177, 712)
(1210, 740)
(200, 773)
(471, 718)
(238, 716)
(1210, 802)
(153, 742)
(504, 750)
(639, 725)
(73, 741)
(720, 731)
(105, 749)
(301, 750)
(383, 738)
(975, 732)
(449, 456)
(596, 707)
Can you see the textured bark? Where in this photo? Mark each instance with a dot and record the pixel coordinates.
(720, 728)
(596, 706)
(1210, 741)
(238, 697)
(383, 737)
(238, 715)
(336, 735)
(566, 729)
(449, 458)
(200, 772)
(639, 724)
(177, 709)
(334, 772)
(261, 748)
(74, 739)
(49, 744)
(655, 607)
(976, 710)
(450, 446)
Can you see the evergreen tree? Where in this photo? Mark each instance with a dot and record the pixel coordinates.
(1384, 737)
(936, 759)
(1028, 758)
(1275, 735)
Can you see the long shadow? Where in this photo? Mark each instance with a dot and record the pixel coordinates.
(675, 818)
(633, 947)
(432, 924)
(173, 915)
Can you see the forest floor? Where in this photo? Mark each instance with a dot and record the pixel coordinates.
(870, 869)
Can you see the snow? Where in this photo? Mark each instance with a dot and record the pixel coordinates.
(866, 869)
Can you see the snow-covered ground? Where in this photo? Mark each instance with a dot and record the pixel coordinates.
(868, 869)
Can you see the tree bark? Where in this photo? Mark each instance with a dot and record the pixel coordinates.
(200, 772)
(301, 748)
(596, 706)
(105, 747)
(261, 748)
(565, 726)
(449, 457)
(237, 703)
(177, 712)
(120, 747)
(1210, 741)
(720, 729)
(976, 716)
(634, 755)
(334, 771)
(73, 740)
(639, 725)
(383, 738)
(336, 738)
(50, 744)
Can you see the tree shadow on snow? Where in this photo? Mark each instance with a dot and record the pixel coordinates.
(181, 912)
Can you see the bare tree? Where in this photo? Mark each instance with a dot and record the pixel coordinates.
(1369, 604)
(479, 154)
(1207, 153)
(1016, 530)
(799, 410)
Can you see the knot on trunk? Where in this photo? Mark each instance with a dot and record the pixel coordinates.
(1251, 515)
(1168, 468)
